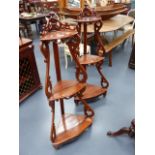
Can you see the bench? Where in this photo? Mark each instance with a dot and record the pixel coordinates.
(119, 40)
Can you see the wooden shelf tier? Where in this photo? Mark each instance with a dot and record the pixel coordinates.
(88, 59)
(92, 91)
(70, 127)
(65, 89)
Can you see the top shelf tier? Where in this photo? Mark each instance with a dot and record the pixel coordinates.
(55, 35)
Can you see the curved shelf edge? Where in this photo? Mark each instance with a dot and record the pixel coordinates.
(92, 91)
(70, 127)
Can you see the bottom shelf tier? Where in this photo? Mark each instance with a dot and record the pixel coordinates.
(92, 91)
(70, 127)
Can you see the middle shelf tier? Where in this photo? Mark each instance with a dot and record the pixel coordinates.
(92, 91)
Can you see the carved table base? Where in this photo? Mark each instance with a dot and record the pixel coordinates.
(130, 131)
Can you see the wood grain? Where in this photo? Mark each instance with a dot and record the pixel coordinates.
(66, 89)
(70, 127)
(90, 59)
(92, 91)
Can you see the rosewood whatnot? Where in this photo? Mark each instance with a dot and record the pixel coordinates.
(71, 125)
(92, 91)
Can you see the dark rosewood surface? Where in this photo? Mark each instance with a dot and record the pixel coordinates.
(88, 16)
(58, 35)
(71, 126)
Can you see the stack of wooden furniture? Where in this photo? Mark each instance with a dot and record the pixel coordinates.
(71, 125)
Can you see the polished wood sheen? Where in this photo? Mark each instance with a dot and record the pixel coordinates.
(58, 35)
(71, 126)
(65, 89)
(89, 59)
(91, 92)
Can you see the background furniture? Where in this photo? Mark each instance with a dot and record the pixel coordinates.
(29, 80)
(23, 30)
(36, 18)
(131, 63)
(105, 12)
(130, 131)
(109, 25)
(71, 125)
(129, 26)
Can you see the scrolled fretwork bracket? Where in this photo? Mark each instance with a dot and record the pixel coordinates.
(87, 12)
(88, 111)
(44, 47)
(104, 81)
(73, 45)
(53, 24)
(100, 45)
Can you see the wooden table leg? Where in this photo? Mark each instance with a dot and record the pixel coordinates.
(130, 131)
(58, 70)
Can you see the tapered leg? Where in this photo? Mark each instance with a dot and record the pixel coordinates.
(119, 132)
(110, 58)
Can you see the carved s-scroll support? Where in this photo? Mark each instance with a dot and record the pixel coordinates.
(87, 12)
(88, 111)
(100, 45)
(104, 81)
(73, 45)
(44, 47)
